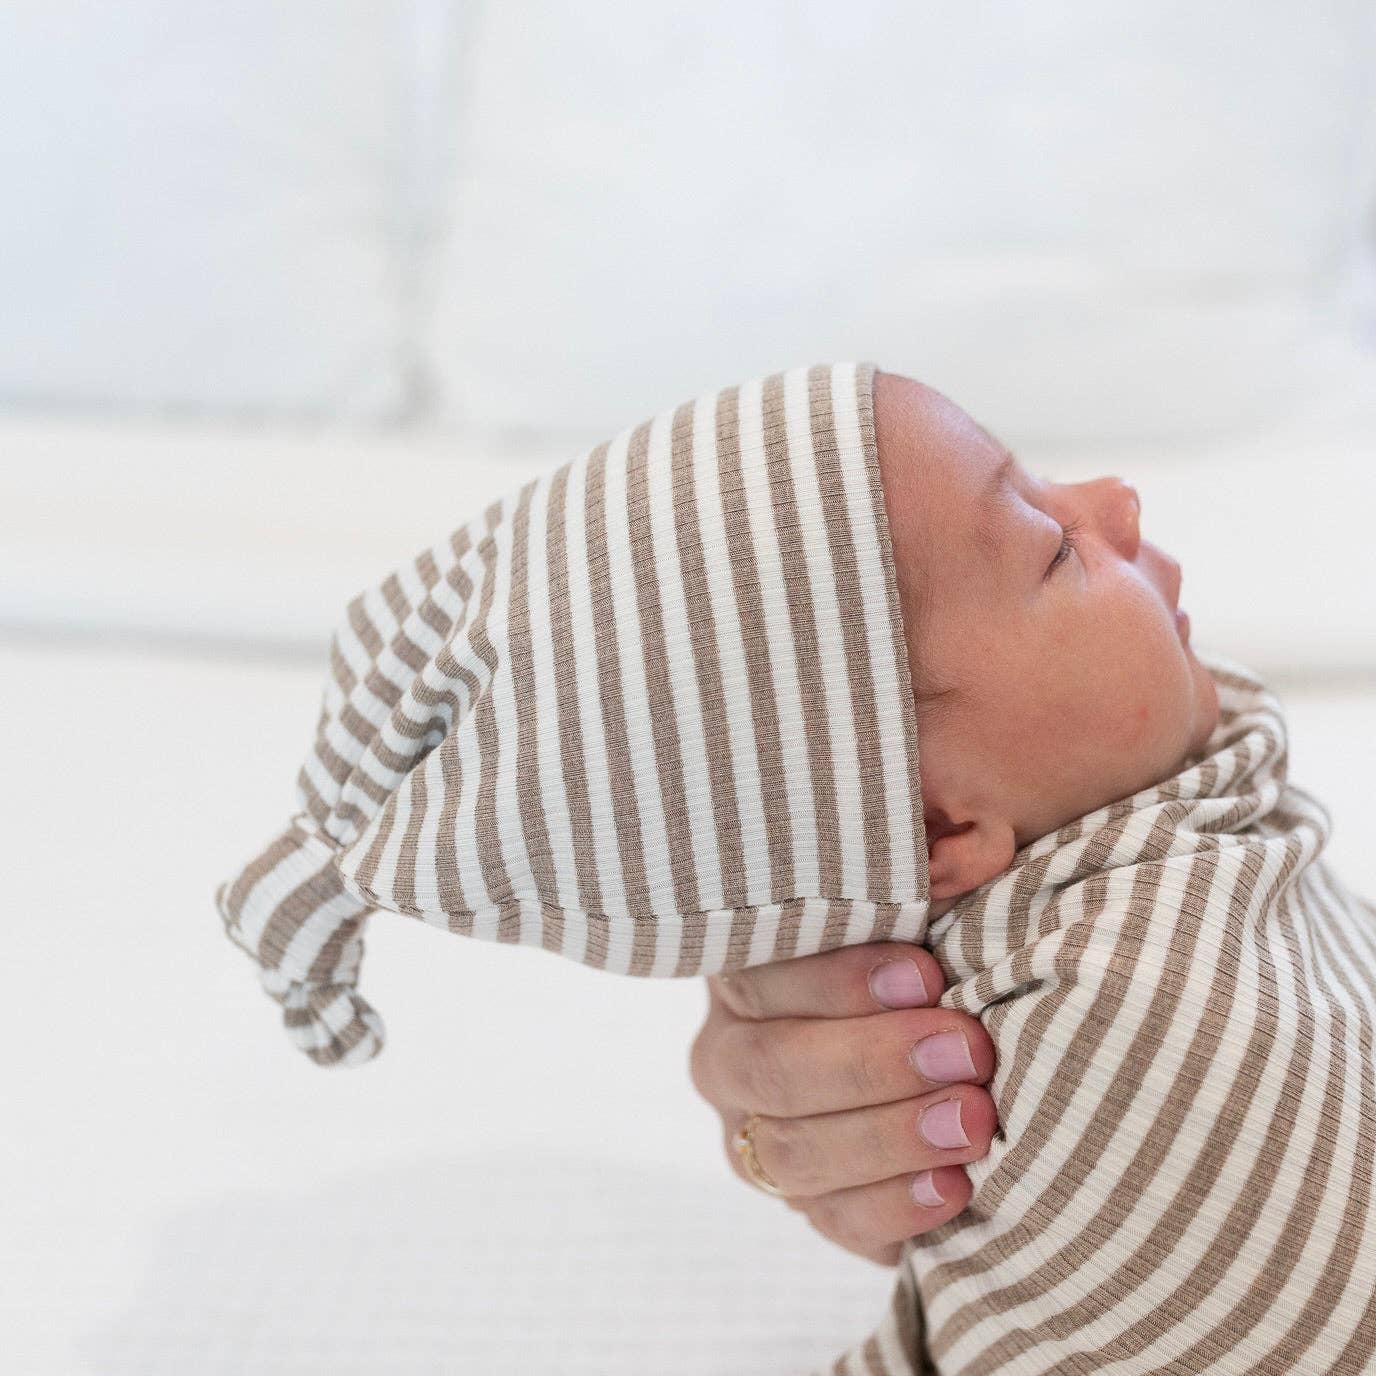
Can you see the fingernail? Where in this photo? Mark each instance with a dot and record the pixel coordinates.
(944, 1056)
(941, 1125)
(925, 1192)
(898, 984)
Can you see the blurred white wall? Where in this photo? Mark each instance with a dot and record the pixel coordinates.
(1087, 221)
(259, 259)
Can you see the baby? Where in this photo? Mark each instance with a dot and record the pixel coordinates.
(1051, 664)
(660, 711)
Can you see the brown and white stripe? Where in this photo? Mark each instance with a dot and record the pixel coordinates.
(1182, 996)
(651, 710)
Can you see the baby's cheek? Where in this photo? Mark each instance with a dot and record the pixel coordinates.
(1148, 736)
(1137, 723)
(1116, 739)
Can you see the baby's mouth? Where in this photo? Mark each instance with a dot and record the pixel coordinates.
(1176, 577)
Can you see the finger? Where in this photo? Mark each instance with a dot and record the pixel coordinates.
(795, 1067)
(871, 1217)
(807, 1157)
(706, 1068)
(844, 983)
(885, 1254)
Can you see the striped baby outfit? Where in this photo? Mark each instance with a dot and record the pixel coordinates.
(1181, 994)
(651, 711)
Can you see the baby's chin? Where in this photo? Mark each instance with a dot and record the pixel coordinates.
(1205, 708)
(1198, 719)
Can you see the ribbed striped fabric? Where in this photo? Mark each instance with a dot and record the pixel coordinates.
(1181, 994)
(651, 711)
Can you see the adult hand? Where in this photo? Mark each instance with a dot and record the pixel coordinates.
(863, 1111)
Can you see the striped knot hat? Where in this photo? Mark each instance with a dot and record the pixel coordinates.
(652, 711)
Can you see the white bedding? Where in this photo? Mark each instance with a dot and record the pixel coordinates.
(164, 1205)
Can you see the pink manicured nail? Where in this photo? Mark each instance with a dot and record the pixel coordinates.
(924, 1191)
(941, 1125)
(898, 984)
(944, 1056)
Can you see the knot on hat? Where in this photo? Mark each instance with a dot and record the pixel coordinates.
(289, 910)
(332, 1023)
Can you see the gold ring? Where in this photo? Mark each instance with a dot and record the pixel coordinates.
(745, 1147)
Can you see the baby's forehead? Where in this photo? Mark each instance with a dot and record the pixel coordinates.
(943, 477)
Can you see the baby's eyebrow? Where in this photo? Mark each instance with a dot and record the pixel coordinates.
(986, 527)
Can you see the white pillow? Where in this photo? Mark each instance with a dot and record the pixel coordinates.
(1084, 222)
(200, 204)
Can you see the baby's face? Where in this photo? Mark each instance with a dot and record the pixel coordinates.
(1073, 684)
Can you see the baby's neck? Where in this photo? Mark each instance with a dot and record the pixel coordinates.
(1237, 789)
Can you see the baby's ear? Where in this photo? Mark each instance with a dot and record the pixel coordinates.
(963, 855)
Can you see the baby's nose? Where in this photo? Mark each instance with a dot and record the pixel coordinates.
(1119, 510)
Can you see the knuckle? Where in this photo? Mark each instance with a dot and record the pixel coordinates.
(699, 1055)
(907, 1026)
(740, 992)
(866, 1073)
(788, 1154)
(872, 1213)
(833, 1216)
(896, 1142)
(899, 1143)
(823, 1213)
(759, 1070)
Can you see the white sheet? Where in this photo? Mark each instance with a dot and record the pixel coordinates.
(163, 1205)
